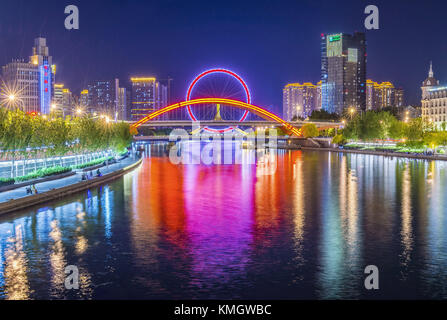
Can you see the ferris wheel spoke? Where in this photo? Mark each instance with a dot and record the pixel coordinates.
(218, 83)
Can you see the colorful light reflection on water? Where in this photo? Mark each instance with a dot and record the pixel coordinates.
(206, 231)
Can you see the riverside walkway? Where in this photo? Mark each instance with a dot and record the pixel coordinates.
(47, 190)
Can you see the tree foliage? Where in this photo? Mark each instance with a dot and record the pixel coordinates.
(382, 125)
(310, 130)
(323, 115)
(24, 135)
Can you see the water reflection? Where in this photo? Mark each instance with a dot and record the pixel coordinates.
(15, 268)
(341, 254)
(306, 229)
(406, 232)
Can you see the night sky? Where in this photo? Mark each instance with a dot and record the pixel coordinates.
(269, 43)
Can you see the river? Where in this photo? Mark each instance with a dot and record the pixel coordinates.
(307, 230)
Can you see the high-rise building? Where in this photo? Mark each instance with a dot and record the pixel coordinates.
(122, 104)
(343, 71)
(63, 101)
(21, 80)
(148, 95)
(47, 71)
(83, 99)
(399, 97)
(103, 97)
(382, 95)
(318, 100)
(33, 81)
(434, 100)
(300, 100)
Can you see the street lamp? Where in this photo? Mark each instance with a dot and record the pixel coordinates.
(12, 97)
(351, 112)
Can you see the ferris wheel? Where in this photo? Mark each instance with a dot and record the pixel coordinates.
(218, 83)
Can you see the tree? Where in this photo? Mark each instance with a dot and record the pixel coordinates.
(414, 130)
(323, 115)
(310, 130)
(40, 139)
(121, 136)
(339, 139)
(396, 129)
(25, 135)
(296, 118)
(353, 129)
(14, 135)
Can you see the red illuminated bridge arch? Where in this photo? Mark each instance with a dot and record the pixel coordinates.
(234, 103)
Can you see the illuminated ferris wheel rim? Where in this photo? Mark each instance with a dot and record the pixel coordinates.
(213, 71)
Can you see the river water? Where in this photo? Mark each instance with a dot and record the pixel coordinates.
(307, 230)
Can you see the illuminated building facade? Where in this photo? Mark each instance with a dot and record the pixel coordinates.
(103, 97)
(382, 95)
(122, 104)
(343, 71)
(319, 97)
(22, 79)
(63, 101)
(83, 99)
(434, 101)
(300, 100)
(44, 62)
(148, 95)
(33, 81)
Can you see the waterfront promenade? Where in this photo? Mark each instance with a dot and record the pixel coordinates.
(17, 199)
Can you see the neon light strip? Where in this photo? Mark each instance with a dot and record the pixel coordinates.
(262, 112)
(206, 73)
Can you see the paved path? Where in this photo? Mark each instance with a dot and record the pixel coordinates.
(51, 185)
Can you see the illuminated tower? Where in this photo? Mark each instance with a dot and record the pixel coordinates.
(343, 71)
(44, 62)
(148, 95)
(143, 97)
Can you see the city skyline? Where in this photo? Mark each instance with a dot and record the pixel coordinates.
(222, 159)
(124, 54)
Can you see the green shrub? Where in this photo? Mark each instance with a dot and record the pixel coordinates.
(339, 139)
(310, 130)
(91, 163)
(41, 173)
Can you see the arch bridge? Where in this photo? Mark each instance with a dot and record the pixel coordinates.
(234, 103)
